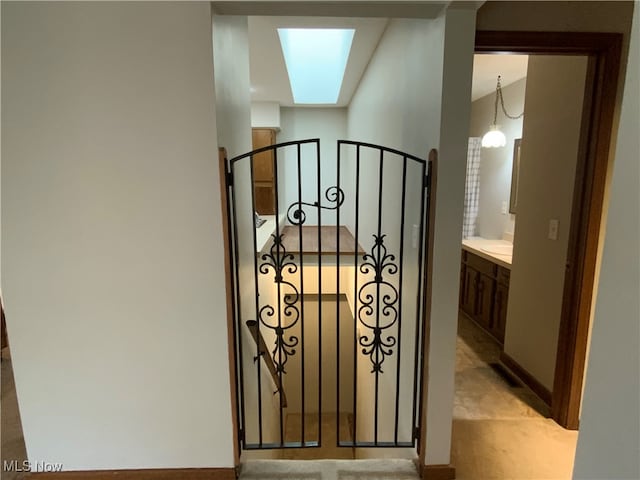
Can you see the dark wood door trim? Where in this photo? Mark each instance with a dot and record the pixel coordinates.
(144, 474)
(604, 50)
(438, 472)
(231, 324)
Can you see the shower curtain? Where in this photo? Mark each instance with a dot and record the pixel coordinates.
(472, 188)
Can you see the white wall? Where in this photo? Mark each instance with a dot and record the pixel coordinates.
(233, 104)
(549, 152)
(420, 67)
(298, 123)
(496, 163)
(231, 71)
(454, 129)
(265, 115)
(112, 272)
(327, 356)
(609, 439)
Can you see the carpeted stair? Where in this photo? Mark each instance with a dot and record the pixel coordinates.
(328, 470)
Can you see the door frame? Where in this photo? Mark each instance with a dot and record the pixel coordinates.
(594, 160)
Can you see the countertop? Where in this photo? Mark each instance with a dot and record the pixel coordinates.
(477, 244)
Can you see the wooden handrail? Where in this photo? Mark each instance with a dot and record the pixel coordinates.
(264, 353)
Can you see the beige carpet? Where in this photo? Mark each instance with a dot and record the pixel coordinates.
(481, 393)
(329, 470)
(531, 449)
(501, 431)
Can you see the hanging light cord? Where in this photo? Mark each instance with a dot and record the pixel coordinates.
(495, 108)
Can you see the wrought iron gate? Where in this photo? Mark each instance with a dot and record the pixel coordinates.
(328, 293)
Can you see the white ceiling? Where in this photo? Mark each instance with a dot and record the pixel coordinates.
(270, 82)
(269, 79)
(487, 67)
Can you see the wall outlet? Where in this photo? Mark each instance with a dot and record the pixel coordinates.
(553, 229)
(505, 208)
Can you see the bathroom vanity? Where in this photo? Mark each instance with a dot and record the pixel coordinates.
(484, 283)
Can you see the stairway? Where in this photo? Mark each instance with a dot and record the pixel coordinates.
(328, 448)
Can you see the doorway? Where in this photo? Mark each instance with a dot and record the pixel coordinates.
(563, 388)
(603, 64)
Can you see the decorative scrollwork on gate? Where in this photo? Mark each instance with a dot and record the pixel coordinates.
(378, 290)
(279, 261)
(296, 214)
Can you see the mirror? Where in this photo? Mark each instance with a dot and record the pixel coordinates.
(515, 176)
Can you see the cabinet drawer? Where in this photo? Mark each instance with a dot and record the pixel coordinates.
(481, 265)
(504, 274)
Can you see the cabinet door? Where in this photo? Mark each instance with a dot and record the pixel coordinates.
(263, 162)
(499, 319)
(463, 284)
(469, 289)
(265, 199)
(263, 174)
(484, 300)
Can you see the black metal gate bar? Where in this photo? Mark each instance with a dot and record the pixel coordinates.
(256, 294)
(424, 243)
(377, 370)
(400, 283)
(234, 289)
(319, 192)
(279, 262)
(301, 261)
(236, 299)
(259, 353)
(418, 361)
(355, 323)
(338, 303)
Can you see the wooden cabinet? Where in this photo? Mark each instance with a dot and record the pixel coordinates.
(484, 300)
(5, 339)
(499, 318)
(468, 289)
(263, 172)
(484, 293)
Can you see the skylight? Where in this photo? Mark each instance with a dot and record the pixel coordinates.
(316, 59)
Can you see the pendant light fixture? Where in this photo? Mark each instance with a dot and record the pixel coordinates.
(494, 137)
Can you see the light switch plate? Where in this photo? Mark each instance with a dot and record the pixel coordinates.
(553, 229)
(415, 236)
(504, 208)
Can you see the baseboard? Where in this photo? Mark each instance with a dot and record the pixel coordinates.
(145, 474)
(438, 472)
(528, 379)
